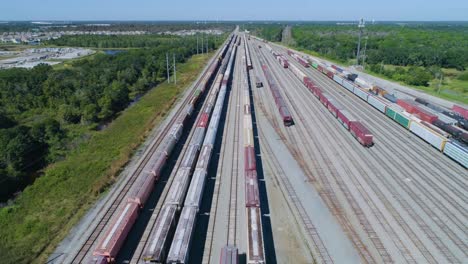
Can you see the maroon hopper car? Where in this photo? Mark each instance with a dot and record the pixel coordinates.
(252, 198)
(249, 158)
(112, 241)
(286, 116)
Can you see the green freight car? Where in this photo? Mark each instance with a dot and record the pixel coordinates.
(402, 120)
(397, 116)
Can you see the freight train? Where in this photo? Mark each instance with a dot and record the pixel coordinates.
(418, 122)
(353, 125)
(247, 55)
(200, 145)
(255, 252)
(122, 221)
(279, 101)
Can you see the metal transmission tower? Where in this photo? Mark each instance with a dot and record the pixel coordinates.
(361, 27)
(169, 67)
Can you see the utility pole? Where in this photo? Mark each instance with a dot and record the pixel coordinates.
(167, 68)
(197, 43)
(206, 43)
(440, 82)
(361, 26)
(202, 44)
(175, 71)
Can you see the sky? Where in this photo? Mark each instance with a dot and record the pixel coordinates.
(309, 10)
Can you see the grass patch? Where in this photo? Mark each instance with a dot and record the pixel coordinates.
(43, 214)
(453, 88)
(318, 55)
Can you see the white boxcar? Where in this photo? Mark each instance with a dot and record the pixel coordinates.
(349, 86)
(361, 82)
(361, 93)
(457, 152)
(430, 136)
(299, 74)
(377, 103)
(338, 79)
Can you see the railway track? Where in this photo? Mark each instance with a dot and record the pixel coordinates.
(441, 248)
(311, 230)
(97, 230)
(325, 188)
(424, 190)
(234, 173)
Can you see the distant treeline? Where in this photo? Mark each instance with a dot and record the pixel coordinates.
(424, 47)
(44, 111)
(148, 26)
(443, 46)
(269, 32)
(138, 41)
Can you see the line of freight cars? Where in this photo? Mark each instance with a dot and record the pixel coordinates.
(247, 54)
(418, 123)
(353, 125)
(177, 200)
(256, 252)
(126, 215)
(279, 101)
(179, 252)
(280, 58)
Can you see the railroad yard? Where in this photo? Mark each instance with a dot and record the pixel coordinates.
(273, 156)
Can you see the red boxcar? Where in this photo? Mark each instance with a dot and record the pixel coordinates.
(320, 68)
(324, 99)
(410, 107)
(407, 105)
(252, 198)
(361, 133)
(333, 107)
(203, 121)
(317, 92)
(249, 159)
(460, 110)
(345, 118)
(112, 241)
(303, 62)
(425, 115)
(330, 74)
